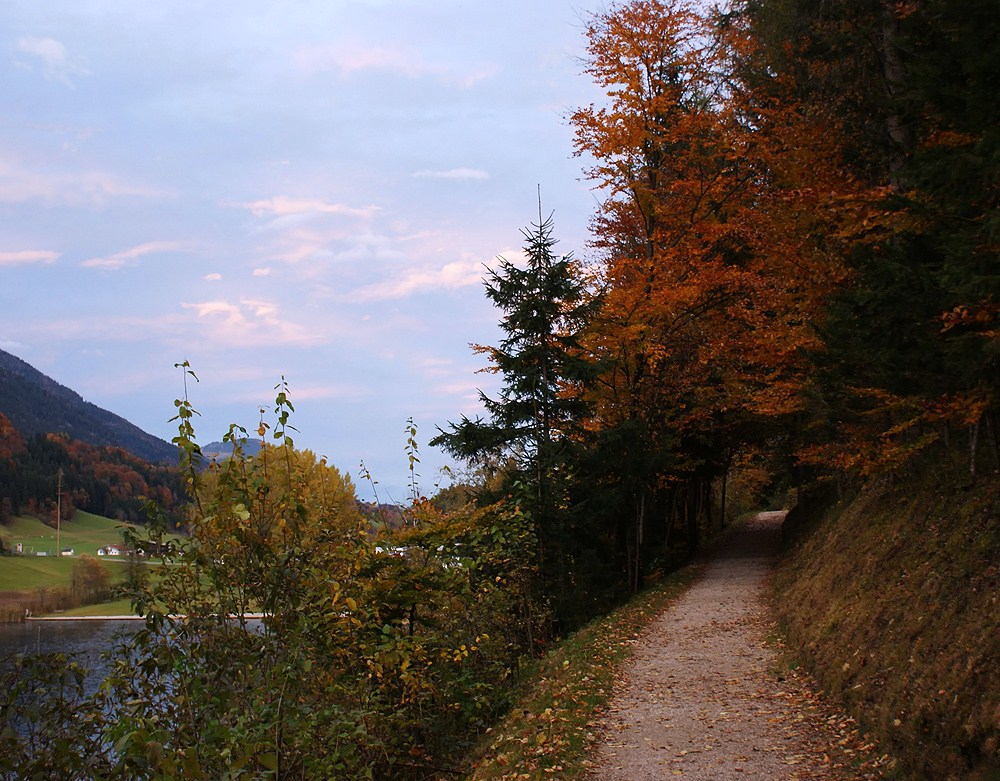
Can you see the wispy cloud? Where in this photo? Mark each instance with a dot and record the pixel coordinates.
(298, 245)
(120, 259)
(107, 328)
(21, 183)
(310, 392)
(454, 173)
(27, 256)
(264, 309)
(285, 206)
(349, 57)
(214, 277)
(255, 391)
(249, 323)
(465, 394)
(50, 57)
(316, 249)
(450, 276)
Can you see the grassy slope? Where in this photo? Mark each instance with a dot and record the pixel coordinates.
(85, 534)
(26, 573)
(118, 607)
(892, 601)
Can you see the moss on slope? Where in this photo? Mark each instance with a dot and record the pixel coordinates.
(892, 600)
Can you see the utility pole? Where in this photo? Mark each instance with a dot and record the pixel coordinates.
(58, 511)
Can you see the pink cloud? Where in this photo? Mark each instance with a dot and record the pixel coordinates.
(20, 183)
(450, 276)
(249, 323)
(120, 259)
(27, 256)
(285, 206)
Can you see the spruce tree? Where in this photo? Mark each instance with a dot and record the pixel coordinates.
(545, 306)
(529, 427)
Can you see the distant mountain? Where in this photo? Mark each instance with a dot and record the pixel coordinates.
(36, 404)
(219, 451)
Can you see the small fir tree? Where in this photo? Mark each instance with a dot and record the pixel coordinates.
(530, 426)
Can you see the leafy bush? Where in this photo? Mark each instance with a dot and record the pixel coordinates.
(380, 654)
(89, 580)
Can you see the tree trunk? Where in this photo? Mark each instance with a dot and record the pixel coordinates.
(639, 529)
(691, 508)
(707, 493)
(671, 520)
(974, 446)
(722, 502)
(992, 420)
(895, 77)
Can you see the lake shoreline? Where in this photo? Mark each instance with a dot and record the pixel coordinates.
(84, 618)
(249, 616)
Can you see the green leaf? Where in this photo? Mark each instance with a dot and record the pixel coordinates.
(269, 761)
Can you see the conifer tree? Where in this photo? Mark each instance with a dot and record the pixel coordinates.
(531, 424)
(545, 305)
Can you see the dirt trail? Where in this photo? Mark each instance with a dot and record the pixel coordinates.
(703, 698)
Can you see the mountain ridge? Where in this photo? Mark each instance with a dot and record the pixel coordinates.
(34, 403)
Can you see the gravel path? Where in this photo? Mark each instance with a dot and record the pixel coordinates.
(704, 698)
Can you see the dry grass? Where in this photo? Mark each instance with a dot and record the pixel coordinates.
(893, 604)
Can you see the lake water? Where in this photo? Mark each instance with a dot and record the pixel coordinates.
(85, 640)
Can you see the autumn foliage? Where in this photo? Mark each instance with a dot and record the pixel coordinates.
(770, 280)
(107, 481)
(779, 247)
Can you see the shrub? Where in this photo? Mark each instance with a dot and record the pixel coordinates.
(89, 581)
(379, 656)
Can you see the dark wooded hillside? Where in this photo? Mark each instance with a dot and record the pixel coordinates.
(37, 404)
(107, 481)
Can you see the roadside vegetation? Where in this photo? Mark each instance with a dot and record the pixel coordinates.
(550, 730)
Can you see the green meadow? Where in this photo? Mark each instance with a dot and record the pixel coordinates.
(85, 534)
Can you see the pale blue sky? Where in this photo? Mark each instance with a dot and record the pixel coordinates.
(306, 188)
